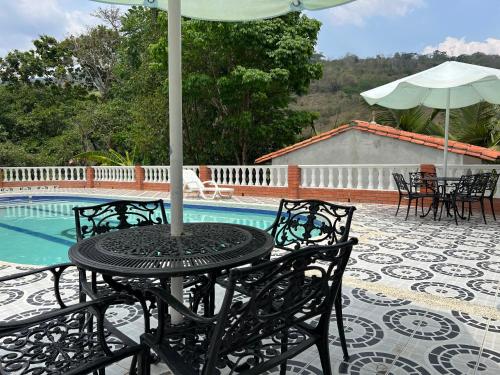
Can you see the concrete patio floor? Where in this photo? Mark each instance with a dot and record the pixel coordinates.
(420, 297)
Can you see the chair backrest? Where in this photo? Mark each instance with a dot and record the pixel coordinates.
(401, 184)
(492, 184)
(110, 216)
(282, 293)
(303, 223)
(191, 180)
(480, 184)
(465, 185)
(419, 181)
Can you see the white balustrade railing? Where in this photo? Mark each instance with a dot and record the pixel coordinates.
(34, 174)
(354, 176)
(156, 173)
(459, 170)
(161, 173)
(114, 174)
(249, 175)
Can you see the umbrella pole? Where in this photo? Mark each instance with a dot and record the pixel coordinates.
(175, 122)
(175, 114)
(446, 132)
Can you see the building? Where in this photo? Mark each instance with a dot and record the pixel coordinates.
(366, 143)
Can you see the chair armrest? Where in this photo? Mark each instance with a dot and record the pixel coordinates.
(211, 182)
(56, 271)
(173, 302)
(36, 270)
(100, 303)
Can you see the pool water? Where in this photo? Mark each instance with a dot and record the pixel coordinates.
(40, 231)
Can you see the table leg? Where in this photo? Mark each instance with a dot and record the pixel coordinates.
(431, 207)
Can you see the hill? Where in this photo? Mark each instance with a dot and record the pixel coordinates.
(335, 97)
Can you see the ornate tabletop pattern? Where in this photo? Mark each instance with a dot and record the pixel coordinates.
(151, 252)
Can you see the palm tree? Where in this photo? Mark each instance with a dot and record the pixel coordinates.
(110, 157)
(478, 125)
(416, 120)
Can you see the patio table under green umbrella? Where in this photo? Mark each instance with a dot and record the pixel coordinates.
(210, 10)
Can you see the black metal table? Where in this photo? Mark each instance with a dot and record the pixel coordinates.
(150, 251)
(443, 183)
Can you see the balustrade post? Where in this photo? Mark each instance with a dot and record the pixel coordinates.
(205, 173)
(428, 168)
(89, 180)
(381, 179)
(139, 177)
(294, 174)
(349, 177)
(370, 178)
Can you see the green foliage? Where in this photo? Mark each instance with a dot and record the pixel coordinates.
(478, 125)
(16, 156)
(416, 120)
(238, 82)
(248, 88)
(110, 157)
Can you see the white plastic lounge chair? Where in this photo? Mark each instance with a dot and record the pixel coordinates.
(205, 189)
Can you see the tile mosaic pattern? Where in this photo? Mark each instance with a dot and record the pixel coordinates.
(385, 334)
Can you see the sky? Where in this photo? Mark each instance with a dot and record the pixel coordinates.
(363, 27)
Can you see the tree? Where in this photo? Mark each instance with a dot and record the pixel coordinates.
(49, 63)
(239, 80)
(416, 120)
(96, 53)
(477, 124)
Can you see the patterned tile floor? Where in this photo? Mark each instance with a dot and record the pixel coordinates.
(420, 297)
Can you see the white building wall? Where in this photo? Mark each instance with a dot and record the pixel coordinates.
(357, 147)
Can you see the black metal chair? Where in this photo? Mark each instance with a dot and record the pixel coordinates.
(304, 223)
(411, 191)
(490, 191)
(424, 183)
(478, 191)
(106, 217)
(286, 311)
(301, 223)
(117, 215)
(460, 191)
(469, 189)
(67, 339)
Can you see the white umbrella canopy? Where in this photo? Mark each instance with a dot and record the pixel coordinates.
(447, 86)
(468, 84)
(235, 10)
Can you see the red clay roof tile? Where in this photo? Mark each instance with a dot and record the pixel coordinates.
(387, 131)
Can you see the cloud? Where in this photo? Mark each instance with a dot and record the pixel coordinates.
(456, 47)
(22, 21)
(357, 12)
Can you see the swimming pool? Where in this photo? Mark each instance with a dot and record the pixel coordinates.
(39, 230)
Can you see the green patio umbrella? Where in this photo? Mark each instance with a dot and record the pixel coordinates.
(447, 86)
(234, 10)
(211, 10)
